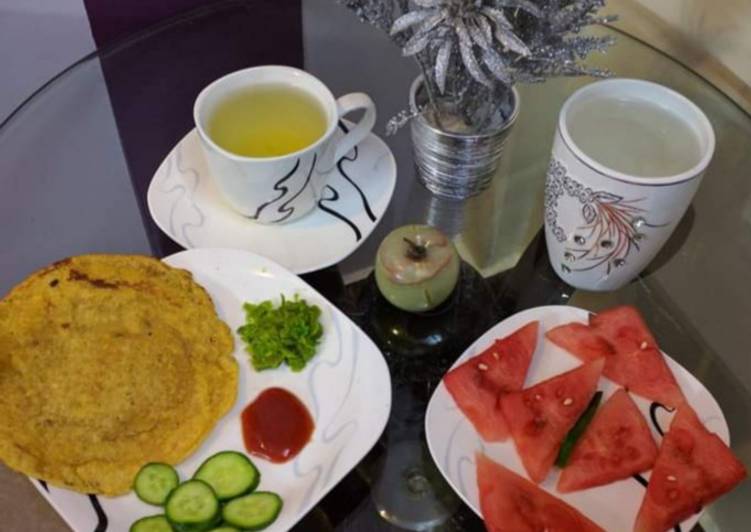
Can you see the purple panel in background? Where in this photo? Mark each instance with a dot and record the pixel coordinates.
(153, 82)
(112, 20)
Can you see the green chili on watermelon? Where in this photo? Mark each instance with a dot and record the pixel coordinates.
(569, 442)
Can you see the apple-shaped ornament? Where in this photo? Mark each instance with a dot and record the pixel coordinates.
(416, 267)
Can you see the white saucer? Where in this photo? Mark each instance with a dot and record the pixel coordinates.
(185, 203)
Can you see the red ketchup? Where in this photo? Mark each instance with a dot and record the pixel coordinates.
(276, 425)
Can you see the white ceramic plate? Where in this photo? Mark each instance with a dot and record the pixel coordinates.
(453, 440)
(346, 387)
(185, 203)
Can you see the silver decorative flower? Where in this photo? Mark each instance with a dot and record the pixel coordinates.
(483, 47)
(479, 31)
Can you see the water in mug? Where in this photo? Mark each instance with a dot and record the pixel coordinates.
(267, 120)
(635, 137)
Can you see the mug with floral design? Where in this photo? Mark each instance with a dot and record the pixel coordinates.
(603, 226)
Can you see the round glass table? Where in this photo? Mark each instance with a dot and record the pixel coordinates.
(77, 157)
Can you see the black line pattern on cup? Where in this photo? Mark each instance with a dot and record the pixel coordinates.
(289, 211)
(279, 187)
(340, 167)
(335, 197)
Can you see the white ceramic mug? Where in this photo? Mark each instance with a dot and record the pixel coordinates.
(274, 190)
(603, 227)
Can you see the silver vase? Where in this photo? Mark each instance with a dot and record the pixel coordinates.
(456, 165)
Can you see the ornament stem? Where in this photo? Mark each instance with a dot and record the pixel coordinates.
(415, 251)
(431, 97)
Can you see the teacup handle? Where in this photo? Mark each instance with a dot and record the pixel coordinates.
(345, 105)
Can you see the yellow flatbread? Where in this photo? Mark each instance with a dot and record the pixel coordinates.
(108, 362)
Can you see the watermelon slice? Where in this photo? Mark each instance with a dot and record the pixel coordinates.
(616, 445)
(510, 503)
(633, 358)
(645, 373)
(540, 416)
(581, 340)
(693, 468)
(477, 384)
(624, 328)
(639, 364)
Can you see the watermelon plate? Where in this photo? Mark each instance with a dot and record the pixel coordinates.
(453, 441)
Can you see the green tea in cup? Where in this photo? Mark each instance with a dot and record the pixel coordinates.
(267, 120)
(271, 141)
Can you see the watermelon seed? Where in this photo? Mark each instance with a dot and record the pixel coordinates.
(671, 478)
(568, 401)
(538, 397)
(495, 355)
(482, 367)
(644, 345)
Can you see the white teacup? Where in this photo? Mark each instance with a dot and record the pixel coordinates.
(603, 227)
(272, 190)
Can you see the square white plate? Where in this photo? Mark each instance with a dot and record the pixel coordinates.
(346, 387)
(453, 440)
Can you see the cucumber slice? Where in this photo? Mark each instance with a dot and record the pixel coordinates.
(253, 512)
(230, 473)
(154, 482)
(193, 506)
(196, 528)
(152, 523)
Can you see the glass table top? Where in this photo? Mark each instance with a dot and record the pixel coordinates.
(77, 157)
